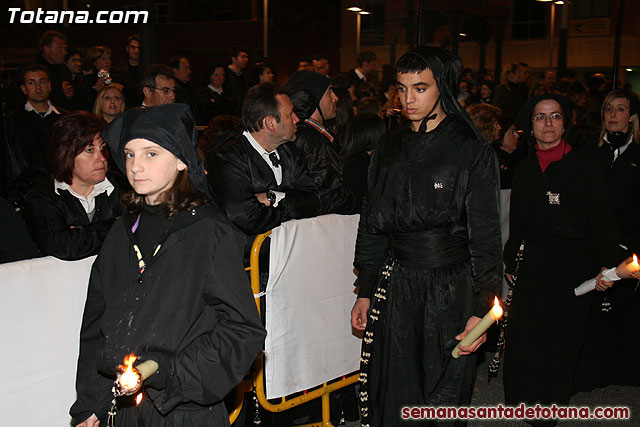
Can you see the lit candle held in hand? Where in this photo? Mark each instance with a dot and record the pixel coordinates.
(633, 267)
(130, 378)
(492, 316)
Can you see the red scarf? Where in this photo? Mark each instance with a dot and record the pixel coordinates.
(546, 156)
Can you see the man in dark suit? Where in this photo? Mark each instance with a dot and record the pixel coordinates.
(259, 179)
(365, 64)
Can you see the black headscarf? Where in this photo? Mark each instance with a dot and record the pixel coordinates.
(445, 67)
(170, 126)
(526, 113)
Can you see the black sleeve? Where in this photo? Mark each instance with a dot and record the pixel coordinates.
(482, 203)
(516, 219)
(207, 369)
(47, 223)
(371, 248)
(302, 201)
(92, 389)
(231, 182)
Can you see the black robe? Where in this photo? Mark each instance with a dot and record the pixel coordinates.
(191, 310)
(50, 216)
(569, 235)
(212, 104)
(428, 253)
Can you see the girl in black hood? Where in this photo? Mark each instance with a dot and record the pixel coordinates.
(168, 285)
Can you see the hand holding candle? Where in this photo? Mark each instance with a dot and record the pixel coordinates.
(130, 378)
(627, 269)
(492, 316)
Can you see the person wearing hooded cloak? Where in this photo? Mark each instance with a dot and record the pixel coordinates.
(168, 285)
(428, 250)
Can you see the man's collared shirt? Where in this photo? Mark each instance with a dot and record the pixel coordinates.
(51, 109)
(360, 75)
(277, 171)
(213, 89)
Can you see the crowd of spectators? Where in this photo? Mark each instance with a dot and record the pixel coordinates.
(272, 152)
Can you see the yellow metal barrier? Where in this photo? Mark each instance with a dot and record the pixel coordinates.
(257, 383)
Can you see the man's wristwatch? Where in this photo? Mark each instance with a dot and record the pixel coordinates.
(271, 197)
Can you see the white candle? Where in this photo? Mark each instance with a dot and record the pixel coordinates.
(130, 378)
(492, 316)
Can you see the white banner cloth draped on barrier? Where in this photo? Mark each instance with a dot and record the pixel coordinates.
(40, 315)
(308, 304)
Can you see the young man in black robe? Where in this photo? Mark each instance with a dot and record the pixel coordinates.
(428, 250)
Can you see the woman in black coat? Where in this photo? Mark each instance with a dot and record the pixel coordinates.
(70, 215)
(609, 356)
(559, 209)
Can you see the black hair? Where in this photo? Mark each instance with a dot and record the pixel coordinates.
(365, 57)
(259, 103)
(32, 68)
(363, 132)
(210, 69)
(153, 71)
(174, 61)
(70, 52)
(410, 64)
(131, 38)
(235, 51)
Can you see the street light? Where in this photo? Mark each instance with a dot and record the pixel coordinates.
(358, 11)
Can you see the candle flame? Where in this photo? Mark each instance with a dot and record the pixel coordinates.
(635, 258)
(129, 378)
(138, 399)
(497, 309)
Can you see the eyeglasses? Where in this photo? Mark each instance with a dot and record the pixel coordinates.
(164, 90)
(543, 117)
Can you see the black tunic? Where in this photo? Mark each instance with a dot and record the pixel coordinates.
(191, 310)
(429, 256)
(562, 215)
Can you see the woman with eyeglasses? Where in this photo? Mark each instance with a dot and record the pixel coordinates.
(560, 210)
(609, 356)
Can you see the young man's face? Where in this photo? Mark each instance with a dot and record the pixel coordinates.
(133, 50)
(418, 95)
(328, 104)
(183, 73)
(321, 66)
(242, 60)
(36, 86)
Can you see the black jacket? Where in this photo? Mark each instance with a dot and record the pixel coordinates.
(28, 145)
(623, 188)
(239, 172)
(191, 310)
(212, 104)
(185, 95)
(325, 167)
(235, 89)
(50, 218)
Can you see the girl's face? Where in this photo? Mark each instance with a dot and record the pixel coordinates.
(266, 76)
(112, 104)
(151, 169)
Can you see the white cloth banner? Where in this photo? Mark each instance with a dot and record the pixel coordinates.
(40, 316)
(308, 304)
